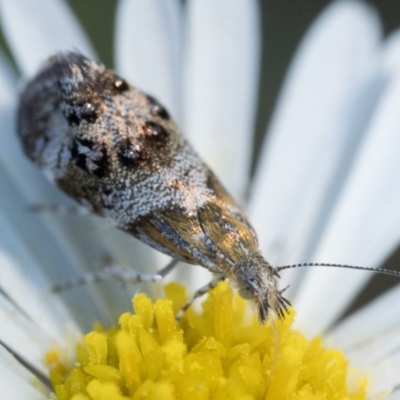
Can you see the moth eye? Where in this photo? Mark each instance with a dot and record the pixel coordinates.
(246, 289)
(121, 85)
(157, 109)
(246, 293)
(75, 114)
(132, 155)
(156, 133)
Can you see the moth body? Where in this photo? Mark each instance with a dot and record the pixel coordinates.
(116, 150)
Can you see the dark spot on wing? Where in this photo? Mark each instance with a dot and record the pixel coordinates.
(155, 133)
(157, 109)
(120, 85)
(75, 114)
(132, 154)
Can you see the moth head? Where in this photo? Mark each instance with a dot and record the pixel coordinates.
(257, 280)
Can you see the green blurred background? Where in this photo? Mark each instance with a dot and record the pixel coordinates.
(284, 23)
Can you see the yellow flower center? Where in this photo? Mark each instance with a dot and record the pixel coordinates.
(220, 354)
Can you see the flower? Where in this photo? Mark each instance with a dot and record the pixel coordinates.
(219, 353)
(325, 188)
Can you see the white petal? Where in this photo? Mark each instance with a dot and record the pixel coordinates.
(395, 395)
(386, 375)
(13, 387)
(372, 321)
(22, 280)
(220, 85)
(22, 336)
(148, 48)
(374, 351)
(363, 228)
(370, 339)
(9, 363)
(330, 89)
(37, 29)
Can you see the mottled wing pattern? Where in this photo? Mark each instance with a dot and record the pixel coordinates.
(116, 150)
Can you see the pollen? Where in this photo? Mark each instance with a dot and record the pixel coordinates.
(219, 353)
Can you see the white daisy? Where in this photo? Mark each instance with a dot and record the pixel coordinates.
(325, 188)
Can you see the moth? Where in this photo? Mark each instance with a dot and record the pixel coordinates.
(116, 150)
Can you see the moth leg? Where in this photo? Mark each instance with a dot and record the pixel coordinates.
(163, 272)
(200, 292)
(58, 209)
(115, 271)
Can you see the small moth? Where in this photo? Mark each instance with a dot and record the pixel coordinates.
(116, 150)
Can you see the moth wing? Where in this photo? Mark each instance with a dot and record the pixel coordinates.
(216, 235)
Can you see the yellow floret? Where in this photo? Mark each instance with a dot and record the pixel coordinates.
(220, 353)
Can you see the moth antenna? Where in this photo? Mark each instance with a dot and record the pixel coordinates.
(377, 270)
